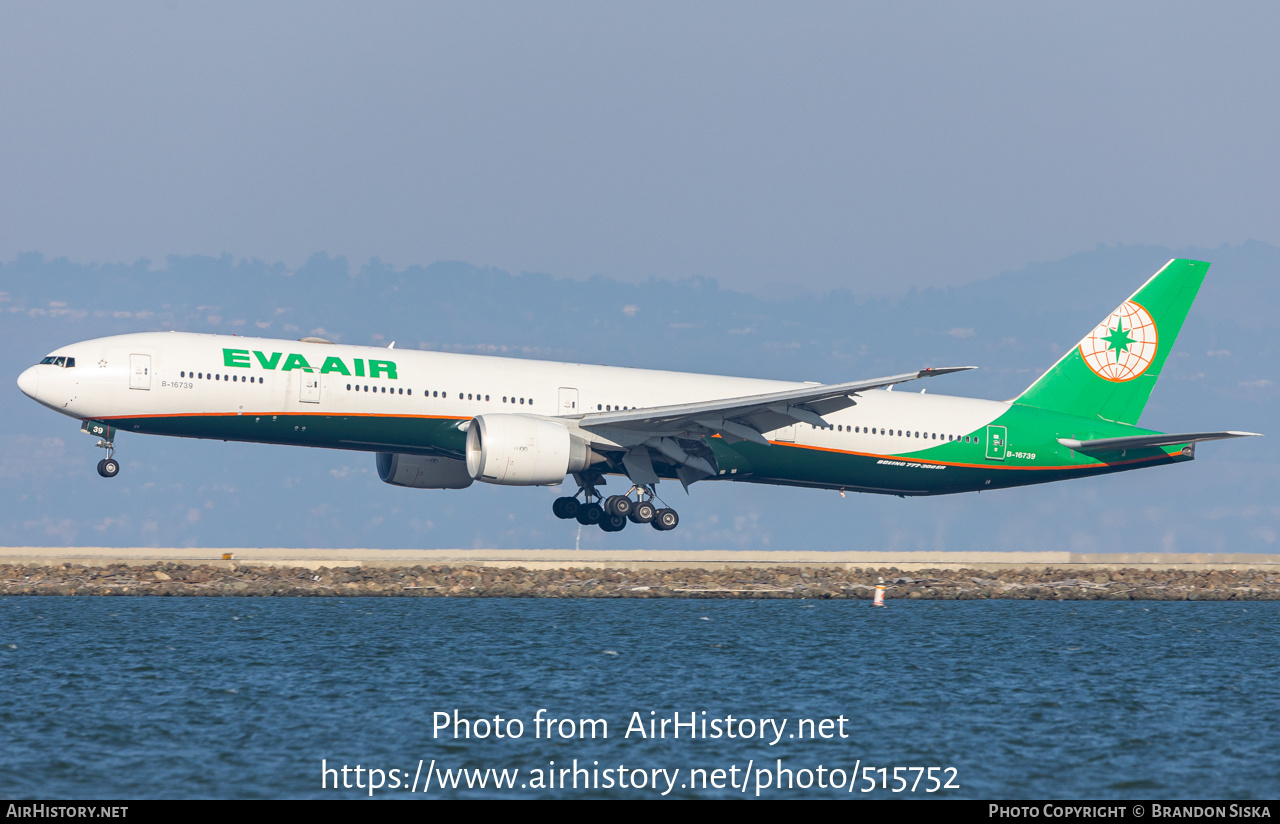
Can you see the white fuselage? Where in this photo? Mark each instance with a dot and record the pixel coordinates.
(191, 374)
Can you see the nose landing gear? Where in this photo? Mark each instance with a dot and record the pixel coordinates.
(611, 514)
(108, 467)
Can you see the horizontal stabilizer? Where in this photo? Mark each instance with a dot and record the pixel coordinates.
(1141, 441)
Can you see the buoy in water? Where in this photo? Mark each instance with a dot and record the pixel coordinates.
(879, 601)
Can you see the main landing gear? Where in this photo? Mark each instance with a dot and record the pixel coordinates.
(612, 513)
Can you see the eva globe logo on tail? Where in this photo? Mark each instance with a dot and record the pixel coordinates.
(1122, 346)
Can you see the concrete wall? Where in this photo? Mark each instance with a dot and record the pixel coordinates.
(626, 559)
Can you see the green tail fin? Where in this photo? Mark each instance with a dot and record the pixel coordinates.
(1110, 374)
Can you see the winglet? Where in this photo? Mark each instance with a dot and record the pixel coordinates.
(933, 371)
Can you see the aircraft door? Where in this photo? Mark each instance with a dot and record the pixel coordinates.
(309, 392)
(997, 442)
(568, 401)
(139, 371)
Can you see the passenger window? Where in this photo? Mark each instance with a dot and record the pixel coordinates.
(522, 401)
(486, 397)
(217, 377)
(182, 374)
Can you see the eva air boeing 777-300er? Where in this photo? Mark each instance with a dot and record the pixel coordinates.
(443, 421)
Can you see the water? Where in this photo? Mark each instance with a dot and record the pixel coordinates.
(231, 697)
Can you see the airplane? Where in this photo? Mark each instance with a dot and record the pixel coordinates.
(443, 421)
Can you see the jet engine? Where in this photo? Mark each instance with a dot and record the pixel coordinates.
(515, 450)
(422, 471)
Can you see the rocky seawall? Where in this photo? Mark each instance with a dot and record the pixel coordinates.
(440, 581)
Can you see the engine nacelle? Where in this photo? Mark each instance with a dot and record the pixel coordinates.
(422, 471)
(515, 450)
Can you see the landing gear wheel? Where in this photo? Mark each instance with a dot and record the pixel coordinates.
(642, 513)
(664, 520)
(618, 505)
(613, 523)
(566, 508)
(108, 467)
(589, 514)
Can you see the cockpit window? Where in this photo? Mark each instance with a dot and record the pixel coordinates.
(49, 359)
(60, 361)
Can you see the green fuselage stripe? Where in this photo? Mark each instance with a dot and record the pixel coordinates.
(941, 469)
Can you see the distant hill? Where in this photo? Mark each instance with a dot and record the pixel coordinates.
(1014, 325)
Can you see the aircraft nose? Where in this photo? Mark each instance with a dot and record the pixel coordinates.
(29, 382)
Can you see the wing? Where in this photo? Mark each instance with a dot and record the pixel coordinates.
(1141, 441)
(752, 415)
(676, 431)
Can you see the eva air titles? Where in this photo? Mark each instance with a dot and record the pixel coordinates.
(359, 367)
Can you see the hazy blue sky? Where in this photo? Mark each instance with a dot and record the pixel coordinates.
(774, 147)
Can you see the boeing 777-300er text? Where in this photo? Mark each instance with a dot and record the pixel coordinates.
(442, 421)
